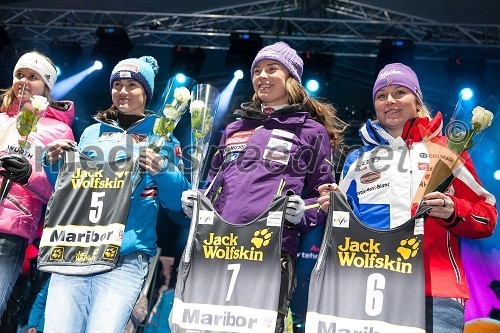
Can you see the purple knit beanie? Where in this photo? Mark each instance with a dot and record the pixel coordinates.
(283, 54)
(143, 70)
(397, 74)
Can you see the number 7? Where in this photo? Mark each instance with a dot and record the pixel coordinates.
(236, 269)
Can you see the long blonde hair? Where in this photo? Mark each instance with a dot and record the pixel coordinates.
(324, 113)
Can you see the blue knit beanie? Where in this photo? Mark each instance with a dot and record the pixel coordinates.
(143, 70)
(283, 54)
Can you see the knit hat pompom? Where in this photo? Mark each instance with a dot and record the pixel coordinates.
(142, 70)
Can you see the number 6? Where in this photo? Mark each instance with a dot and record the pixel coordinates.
(374, 296)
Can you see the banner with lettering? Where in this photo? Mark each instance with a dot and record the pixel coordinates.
(86, 216)
(367, 280)
(231, 281)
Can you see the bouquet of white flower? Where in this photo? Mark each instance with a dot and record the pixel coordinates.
(28, 117)
(174, 104)
(459, 139)
(203, 109)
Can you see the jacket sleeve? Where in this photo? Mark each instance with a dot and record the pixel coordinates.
(38, 185)
(475, 213)
(171, 181)
(36, 318)
(43, 180)
(320, 173)
(215, 165)
(52, 170)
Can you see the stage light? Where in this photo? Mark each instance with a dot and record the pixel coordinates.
(187, 60)
(466, 93)
(243, 49)
(318, 69)
(312, 85)
(466, 73)
(496, 175)
(58, 70)
(97, 65)
(181, 78)
(63, 87)
(238, 74)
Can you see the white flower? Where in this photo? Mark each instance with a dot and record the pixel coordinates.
(196, 105)
(481, 118)
(39, 102)
(170, 112)
(182, 94)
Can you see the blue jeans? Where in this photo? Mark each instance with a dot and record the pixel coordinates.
(12, 249)
(443, 315)
(99, 303)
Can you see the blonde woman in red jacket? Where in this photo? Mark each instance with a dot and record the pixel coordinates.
(397, 151)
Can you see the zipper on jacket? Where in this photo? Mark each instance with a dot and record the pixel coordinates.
(18, 205)
(452, 258)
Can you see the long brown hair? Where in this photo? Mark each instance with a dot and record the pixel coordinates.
(324, 113)
(8, 96)
(108, 115)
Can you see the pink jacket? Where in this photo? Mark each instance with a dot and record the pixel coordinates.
(21, 211)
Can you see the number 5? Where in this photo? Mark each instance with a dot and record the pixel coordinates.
(95, 211)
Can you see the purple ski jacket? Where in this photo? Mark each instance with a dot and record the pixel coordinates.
(262, 156)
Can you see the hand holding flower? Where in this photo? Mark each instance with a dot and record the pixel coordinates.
(27, 118)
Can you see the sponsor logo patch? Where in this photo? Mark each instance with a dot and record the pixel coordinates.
(369, 177)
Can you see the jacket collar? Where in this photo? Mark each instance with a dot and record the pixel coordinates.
(291, 114)
(114, 123)
(415, 130)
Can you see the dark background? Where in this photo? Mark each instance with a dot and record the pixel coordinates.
(347, 83)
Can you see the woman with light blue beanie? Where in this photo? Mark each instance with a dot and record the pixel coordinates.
(102, 302)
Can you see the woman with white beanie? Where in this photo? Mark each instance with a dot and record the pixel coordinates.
(20, 211)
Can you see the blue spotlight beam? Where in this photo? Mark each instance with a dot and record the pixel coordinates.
(225, 97)
(63, 87)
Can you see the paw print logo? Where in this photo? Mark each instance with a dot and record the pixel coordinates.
(110, 253)
(120, 174)
(57, 253)
(408, 248)
(261, 238)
